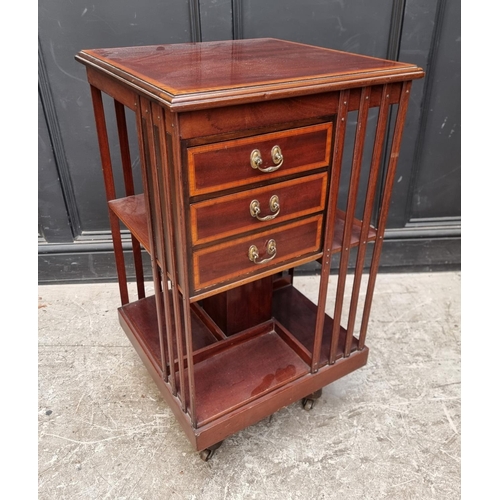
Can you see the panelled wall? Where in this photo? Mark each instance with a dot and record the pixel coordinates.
(424, 225)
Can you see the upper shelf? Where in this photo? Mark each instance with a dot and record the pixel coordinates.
(132, 212)
(190, 75)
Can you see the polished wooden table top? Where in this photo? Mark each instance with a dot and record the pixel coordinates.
(256, 67)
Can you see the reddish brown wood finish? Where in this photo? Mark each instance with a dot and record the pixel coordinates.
(297, 314)
(249, 119)
(142, 315)
(229, 341)
(297, 198)
(156, 230)
(348, 224)
(213, 74)
(245, 415)
(132, 212)
(240, 375)
(172, 302)
(384, 210)
(368, 209)
(226, 308)
(225, 165)
(338, 152)
(111, 87)
(109, 184)
(129, 189)
(226, 261)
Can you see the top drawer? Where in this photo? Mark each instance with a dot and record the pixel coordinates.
(229, 164)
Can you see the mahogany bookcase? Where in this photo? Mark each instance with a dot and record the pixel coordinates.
(242, 150)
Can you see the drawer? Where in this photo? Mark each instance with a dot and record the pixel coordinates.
(258, 208)
(230, 260)
(229, 164)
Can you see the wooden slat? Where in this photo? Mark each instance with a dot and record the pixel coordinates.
(368, 208)
(384, 210)
(173, 308)
(182, 263)
(338, 151)
(129, 190)
(109, 184)
(359, 143)
(160, 280)
(164, 225)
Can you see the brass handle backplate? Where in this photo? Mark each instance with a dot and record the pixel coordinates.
(274, 205)
(253, 252)
(256, 159)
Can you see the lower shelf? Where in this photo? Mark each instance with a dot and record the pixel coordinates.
(142, 319)
(243, 373)
(245, 377)
(298, 315)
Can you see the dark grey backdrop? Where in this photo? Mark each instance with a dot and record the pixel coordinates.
(424, 226)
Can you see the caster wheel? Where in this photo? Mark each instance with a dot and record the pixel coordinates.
(309, 401)
(209, 452)
(308, 404)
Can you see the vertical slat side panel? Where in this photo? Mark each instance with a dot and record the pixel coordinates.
(149, 166)
(109, 185)
(170, 182)
(362, 119)
(129, 190)
(182, 264)
(367, 211)
(171, 300)
(338, 150)
(162, 232)
(384, 207)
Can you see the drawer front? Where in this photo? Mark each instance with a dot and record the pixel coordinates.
(229, 164)
(257, 208)
(230, 260)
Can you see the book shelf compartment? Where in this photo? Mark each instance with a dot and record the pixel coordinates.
(234, 371)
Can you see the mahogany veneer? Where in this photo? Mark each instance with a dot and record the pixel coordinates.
(223, 128)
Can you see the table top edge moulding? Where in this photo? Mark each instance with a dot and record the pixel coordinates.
(240, 71)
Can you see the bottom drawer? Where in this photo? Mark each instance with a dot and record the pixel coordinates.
(231, 260)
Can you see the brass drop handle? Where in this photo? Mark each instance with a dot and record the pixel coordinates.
(256, 159)
(274, 205)
(253, 252)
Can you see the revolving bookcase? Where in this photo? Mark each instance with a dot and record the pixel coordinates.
(241, 147)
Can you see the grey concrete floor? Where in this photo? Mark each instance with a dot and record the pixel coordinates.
(389, 430)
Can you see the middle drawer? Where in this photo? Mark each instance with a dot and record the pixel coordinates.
(233, 214)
